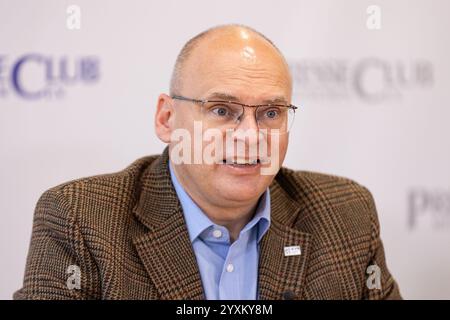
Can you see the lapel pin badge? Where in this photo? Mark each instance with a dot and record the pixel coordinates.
(292, 251)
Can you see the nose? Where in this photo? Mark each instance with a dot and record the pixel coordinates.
(247, 119)
(247, 127)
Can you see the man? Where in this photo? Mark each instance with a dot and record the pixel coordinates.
(168, 227)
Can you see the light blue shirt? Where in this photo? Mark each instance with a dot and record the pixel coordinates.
(228, 271)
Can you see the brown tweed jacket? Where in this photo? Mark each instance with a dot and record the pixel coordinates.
(126, 232)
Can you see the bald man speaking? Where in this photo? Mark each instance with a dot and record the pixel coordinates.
(215, 216)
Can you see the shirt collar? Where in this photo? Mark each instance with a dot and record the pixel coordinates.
(197, 221)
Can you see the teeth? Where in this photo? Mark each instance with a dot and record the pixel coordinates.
(244, 162)
(241, 161)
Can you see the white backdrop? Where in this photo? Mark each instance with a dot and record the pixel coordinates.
(375, 107)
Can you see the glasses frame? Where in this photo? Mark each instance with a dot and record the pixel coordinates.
(203, 101)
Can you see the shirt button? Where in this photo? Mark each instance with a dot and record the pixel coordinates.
(230, 267)
(217, 233)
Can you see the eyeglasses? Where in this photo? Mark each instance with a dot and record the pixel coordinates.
(227, 114)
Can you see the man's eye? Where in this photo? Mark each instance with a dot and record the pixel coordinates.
(272, 113)
(221, 111)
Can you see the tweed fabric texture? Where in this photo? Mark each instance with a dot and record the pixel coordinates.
(126, 232)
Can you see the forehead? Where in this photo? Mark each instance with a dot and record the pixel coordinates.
(250, 69)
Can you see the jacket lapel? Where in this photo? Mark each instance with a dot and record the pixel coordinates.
(280, 276)
(165, 249)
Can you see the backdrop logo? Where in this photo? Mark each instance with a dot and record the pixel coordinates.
(35, 76)
(372, 80)
(430, 207)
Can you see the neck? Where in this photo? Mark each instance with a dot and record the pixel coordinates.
(239, 217)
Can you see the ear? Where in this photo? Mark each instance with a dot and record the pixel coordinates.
(164, 118)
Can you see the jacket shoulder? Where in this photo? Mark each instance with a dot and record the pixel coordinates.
(333, 188)
(107, 183)
(328, 197)
(93, 198)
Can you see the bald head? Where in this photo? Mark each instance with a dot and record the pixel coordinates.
(225, 40)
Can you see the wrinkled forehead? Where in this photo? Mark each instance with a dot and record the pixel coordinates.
(247, 67)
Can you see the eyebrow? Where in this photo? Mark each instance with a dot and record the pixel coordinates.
(229, 97)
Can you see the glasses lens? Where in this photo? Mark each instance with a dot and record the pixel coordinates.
(279, 118)
(221, 114)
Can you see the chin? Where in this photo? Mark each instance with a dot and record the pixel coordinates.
(241, 192)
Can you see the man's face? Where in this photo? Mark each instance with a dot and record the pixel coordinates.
(248, 68)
